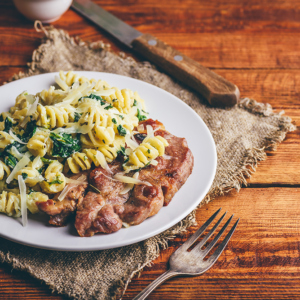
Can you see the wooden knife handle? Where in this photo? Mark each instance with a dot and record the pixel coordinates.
(215, 89)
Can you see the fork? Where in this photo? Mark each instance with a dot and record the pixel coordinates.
(192, 263)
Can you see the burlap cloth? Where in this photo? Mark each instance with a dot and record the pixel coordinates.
(241, 134)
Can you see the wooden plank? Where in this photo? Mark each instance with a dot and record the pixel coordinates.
(214, 49)
(261, 260)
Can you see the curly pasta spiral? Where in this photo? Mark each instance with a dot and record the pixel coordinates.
(33, 176)
(10, 204)
(151, 148)
(79, 161)
(83, 161)
(40, 143)
(54, 183)
(70, 77)
(5, 139)
(52, 116)
(55, 179)
(54, 167)
(3, 169)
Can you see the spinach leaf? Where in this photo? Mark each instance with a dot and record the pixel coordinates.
(29, 131)
(77, 116)
(121, 130)
(7, 124)
(8, 158)
(64, 145)
(24, 175)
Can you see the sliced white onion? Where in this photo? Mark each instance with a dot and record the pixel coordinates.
(61, 83)
(154, 162)
(141, 128)
(22, 187)
(75, 181)
(74, 128)
(80, 180)
(30, 98)
(64, 192)
(15, 137)
(19, 166)
(126, 225)
(102, 161)
(126, 179)
(36, 162)
(130, 143)
(150, 131)
(14, 152)
(31, 110)
(129, 186)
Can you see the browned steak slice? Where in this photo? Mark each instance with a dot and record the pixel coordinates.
(105, 212)
(61, 211)
(96, 213)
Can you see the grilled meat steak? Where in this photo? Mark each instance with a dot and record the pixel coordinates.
(96, 212)
(105, 212)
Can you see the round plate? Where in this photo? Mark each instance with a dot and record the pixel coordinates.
(178, 118)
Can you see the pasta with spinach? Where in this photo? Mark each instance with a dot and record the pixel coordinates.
(46, 137)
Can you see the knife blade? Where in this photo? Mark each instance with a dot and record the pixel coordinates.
(215, 89)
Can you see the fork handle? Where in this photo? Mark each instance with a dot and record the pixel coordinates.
(144, 293)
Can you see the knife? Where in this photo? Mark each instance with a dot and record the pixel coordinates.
(215, 89)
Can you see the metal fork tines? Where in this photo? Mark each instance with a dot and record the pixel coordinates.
(184, 262)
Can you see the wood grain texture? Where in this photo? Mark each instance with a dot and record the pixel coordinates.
(252, 44)
(214, 88)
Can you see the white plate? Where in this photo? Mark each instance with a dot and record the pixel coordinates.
(178, 118)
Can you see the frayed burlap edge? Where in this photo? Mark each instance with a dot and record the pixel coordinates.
(234, 181)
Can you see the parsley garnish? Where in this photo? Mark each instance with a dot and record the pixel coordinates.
(55, 181)
(134, 103)
(122, 151)
(46, 160)
(121, 130)
(24, 175)
(140, 116)
(108, 107)
(114, 120)
(148, 150)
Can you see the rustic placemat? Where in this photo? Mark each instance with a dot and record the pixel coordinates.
(241, 134)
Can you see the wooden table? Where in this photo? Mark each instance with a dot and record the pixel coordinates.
(256, 45)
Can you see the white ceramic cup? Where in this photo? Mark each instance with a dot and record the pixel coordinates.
(46, 11)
